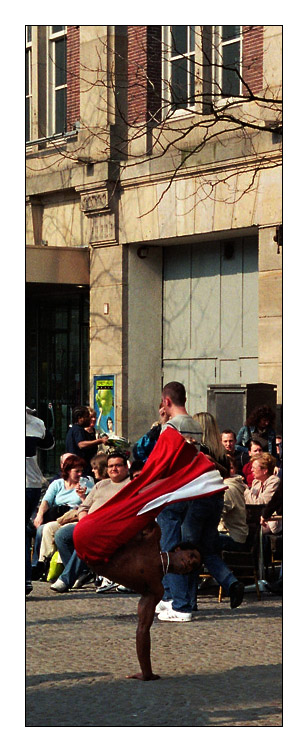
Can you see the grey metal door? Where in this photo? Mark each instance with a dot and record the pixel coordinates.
(210, 315)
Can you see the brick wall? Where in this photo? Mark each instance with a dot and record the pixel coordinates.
(253, 58)
(144, 69)
(73, 76)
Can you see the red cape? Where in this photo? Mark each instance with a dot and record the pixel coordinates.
(172, 472)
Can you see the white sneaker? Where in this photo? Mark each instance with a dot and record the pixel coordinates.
(106, 586)
(170, 615)
(59, 586)
(162, 606)
(123, 589)
(84, 579)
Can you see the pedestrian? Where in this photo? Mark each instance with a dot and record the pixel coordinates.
(78, 440)
(37, 437)
(195, 521)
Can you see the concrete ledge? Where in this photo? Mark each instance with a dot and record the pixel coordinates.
(57, 265)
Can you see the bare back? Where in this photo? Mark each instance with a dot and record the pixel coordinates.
(137, 565)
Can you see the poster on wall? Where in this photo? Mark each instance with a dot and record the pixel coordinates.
(104, 404)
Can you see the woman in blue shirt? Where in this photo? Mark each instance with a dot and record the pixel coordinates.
(62, 495)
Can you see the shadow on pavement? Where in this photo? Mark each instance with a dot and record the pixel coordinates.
(242, 696)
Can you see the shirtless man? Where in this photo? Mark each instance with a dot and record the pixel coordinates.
(140, 566)
(120, 540)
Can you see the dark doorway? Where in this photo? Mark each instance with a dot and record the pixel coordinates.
(57, 359)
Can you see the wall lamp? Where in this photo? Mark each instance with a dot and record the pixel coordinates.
(142, 251)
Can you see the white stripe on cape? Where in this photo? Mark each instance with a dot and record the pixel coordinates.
(205, 484)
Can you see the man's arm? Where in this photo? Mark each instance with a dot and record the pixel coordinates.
(146, 611)
(95, 442)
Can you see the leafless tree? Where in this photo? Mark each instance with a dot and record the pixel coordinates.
(222, 109)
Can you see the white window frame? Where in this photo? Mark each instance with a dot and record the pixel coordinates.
(167, 59)
(29, 65)
(217, 77)
(51, 72)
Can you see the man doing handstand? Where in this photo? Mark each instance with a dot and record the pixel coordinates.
(120, 540)
(140, 565)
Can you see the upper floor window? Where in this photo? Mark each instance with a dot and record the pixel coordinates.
(57, 76)
(179, 67)
(228, 61)
(28, 81)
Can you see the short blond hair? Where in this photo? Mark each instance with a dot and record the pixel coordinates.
(266, 462)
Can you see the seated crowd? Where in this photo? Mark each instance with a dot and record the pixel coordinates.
(250, 464)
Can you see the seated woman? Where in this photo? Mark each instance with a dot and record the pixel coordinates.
(233, 528)
(211, 444)
(62, 497)
(263, 487)
(99, 466)
(265, 481)
(76, 573)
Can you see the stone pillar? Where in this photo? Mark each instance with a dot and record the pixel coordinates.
(144, 327)
(270, 309)
(108, 288)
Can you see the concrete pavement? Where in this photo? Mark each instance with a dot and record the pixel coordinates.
(221, 669)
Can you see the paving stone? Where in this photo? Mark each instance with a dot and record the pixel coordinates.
(221, 669)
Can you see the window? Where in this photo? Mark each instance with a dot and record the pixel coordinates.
(179, 67)
(28, 81)
(57, 76)
(228, 54)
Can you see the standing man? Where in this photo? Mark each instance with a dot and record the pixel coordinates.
(37, 437)
(195, 521)
(77, 438)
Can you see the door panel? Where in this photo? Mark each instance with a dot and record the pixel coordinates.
(176, 305)
(205, 300)
(229, 372)
(231, 300)
(210, 315)
(250, 299)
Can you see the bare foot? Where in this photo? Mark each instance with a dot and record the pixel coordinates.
(141, 677)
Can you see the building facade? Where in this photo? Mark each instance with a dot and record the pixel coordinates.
(153, 214)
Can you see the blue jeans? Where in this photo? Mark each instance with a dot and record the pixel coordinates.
(32, 500)
(176, 586)
(200, 526)
(73, 566)
(196, 522)
(37, 545)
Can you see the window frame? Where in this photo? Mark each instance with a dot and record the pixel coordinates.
(29, 92)
(217, 73)
(52, 39)
(168, 108)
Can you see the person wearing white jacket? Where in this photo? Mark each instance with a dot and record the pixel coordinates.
(233, 529)
(37, 437)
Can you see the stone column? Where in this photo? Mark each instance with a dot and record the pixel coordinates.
(108, 289)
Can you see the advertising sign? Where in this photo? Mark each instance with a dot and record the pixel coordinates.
(104, 404)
